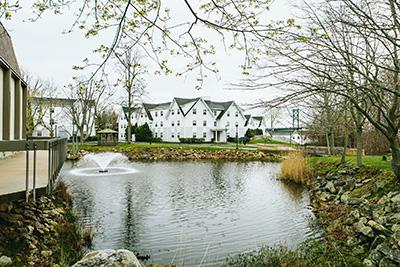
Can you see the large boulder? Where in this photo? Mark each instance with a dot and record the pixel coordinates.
(109, 258)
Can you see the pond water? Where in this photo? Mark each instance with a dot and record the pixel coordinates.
(188, 213)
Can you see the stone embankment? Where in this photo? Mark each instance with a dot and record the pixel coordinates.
(156, 153)
(360, 212)
(42, 233)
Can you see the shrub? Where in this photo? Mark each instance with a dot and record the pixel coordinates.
(143, 133)
(295, 168)
(191, 140)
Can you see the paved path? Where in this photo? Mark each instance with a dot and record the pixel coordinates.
(12, 172)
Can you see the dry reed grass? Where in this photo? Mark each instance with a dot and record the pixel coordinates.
(295, 168)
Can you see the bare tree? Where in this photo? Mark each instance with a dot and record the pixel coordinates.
(354, 47)
(131, 71)
(37, 109)
(88, 101)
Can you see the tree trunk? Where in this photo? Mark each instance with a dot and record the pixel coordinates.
(129, 126)
(345, 143)
(394, 145)
(359, 146)
(332, 142)
(328, 145)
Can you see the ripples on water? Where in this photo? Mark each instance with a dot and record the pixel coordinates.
(178, 212)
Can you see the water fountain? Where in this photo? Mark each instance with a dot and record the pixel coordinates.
(104, 164)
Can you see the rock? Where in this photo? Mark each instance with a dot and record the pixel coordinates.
(379, 228)
(324, 196)
(368, 263)
(396, 199)
(46, 253)
(109, 258)
(363, 229)
(5, 261)
(386, 262)
(392, 254)
(354, 201)
(330, 187)
(345, 197)
(395, 218)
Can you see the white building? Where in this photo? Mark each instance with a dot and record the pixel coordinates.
(53, 115)
(188, 118)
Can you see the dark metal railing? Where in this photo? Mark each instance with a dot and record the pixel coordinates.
(57, 153)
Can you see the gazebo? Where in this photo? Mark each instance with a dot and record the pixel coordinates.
(107, 137)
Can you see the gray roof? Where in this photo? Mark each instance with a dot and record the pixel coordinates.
(7, 51)
(184, 101)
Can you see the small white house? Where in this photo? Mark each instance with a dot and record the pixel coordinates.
(188, 118)
(53, 116)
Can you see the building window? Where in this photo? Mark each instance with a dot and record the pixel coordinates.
(215, 113)
(156, 124)
(194, 135)
(156, 114)
(178, 135)
(173, 112)
(172, 123)
(161, 135)
(228, 114)
(141, 115)
(204, 123)
(237, 114)
(228, 134)
(194, 111)
(204, 135)
(161, 124)
(178, 111)
(172, 135)
(194, 123)
(39, 133)
(156, 135)
(215, 123)
(161, 113)
(227, 124)
(178, 123)
(204, 112)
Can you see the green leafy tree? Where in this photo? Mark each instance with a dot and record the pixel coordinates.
(143, 133)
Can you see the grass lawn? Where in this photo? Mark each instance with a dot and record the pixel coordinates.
(372, 161)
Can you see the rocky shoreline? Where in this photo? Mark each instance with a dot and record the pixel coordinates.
(42, 233)
(359, 210)
(171, 154)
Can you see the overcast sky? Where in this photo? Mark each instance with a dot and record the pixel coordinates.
(42, 49)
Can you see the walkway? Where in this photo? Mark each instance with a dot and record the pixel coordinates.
(12, 172)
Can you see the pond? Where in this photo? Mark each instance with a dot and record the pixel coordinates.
(187, 213)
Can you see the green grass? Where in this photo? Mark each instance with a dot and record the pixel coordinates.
(267, 140)
(92, 147)
(371, 161)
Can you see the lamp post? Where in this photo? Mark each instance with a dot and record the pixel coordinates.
(237, 136)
